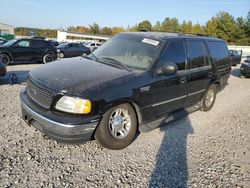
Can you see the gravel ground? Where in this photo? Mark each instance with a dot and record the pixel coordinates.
(209, 149)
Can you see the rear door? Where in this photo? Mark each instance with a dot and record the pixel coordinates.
(37, 47)
(200, 70)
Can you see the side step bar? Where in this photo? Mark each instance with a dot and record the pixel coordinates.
(168, 118)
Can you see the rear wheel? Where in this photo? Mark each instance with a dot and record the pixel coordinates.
(117, 128)
(47, 58)
(209, 98)
(6, 59)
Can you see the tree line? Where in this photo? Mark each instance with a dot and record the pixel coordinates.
(222, 25)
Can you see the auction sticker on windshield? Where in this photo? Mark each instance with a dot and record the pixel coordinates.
(150, 41)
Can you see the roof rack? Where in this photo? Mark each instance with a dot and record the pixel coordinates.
(41, 38)
(179, 33)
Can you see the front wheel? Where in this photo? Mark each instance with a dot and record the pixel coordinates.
(209, 98)
(117, 128)
(6, 59)
(47, 58)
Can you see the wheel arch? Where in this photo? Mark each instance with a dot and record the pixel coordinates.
(7, 53)
(133, 104)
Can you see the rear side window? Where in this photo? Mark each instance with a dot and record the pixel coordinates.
(197, 54)
(175, 53)
(37, 43)
(219, 52)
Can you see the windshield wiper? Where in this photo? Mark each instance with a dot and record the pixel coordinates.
(116, 63)
(94, 57)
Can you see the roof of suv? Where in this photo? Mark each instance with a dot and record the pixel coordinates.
(167, 35)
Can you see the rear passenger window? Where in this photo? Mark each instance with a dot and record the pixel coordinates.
(175, 53)
(219, 52)
(197, 54)
(37, 43)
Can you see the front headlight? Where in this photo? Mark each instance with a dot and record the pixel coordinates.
(58, 50)
(73, 105)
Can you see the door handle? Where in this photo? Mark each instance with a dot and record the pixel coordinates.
(183, 80)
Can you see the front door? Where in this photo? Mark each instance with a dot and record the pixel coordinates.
(21, 50)
(167, 93)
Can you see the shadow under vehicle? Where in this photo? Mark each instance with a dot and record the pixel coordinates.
(34, 49)
(133, 82)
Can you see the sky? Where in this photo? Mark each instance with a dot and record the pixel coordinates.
(57, 14)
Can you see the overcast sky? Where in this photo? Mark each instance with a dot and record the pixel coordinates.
(63, 13)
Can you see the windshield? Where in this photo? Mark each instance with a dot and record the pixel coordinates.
(130, 50)
(9, 43)
(62, 45)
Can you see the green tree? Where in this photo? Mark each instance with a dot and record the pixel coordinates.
(145, 25)
(116, 30)
(106, 31)
(94, 28)
(197, 29)
(157, 26)
(171, 25)
(186, 27)
(211, 27)
(226, 27)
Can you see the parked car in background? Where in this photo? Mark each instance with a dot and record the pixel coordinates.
(2, 41)
(235, 57)
(2, 68)
(34, 49)
(92, 45)
(72, 50)
(245, 68)
(54, 42)
(133, 82)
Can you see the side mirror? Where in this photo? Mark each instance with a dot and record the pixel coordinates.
(169, 68)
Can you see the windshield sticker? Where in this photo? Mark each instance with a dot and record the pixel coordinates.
(151, 41)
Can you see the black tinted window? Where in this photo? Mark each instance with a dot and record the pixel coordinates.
(37, 43)
(175, 53)
(219, 52)
(197, 54)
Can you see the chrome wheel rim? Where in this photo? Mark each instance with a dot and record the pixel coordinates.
(5, 59)
(48, 58)
(209, 98)
(119, 123)
(61, 55)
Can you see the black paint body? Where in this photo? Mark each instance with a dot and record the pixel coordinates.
(34, 52)
(151, 95)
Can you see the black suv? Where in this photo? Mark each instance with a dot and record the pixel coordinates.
(133, 82)
(34, 49)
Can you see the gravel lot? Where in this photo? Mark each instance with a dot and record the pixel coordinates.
(202, 150)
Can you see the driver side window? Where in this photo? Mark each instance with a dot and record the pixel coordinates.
(175, 53)
(23, 43)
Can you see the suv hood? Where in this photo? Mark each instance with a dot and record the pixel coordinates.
(75, 75)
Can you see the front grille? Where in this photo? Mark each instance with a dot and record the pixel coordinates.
(39, 94)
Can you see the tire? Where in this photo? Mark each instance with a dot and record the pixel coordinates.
(47, 58)
(61, 55)
(106, 133)
(6, 59)
(209, 98)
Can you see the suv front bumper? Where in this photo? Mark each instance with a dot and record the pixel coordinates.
(68, 133)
